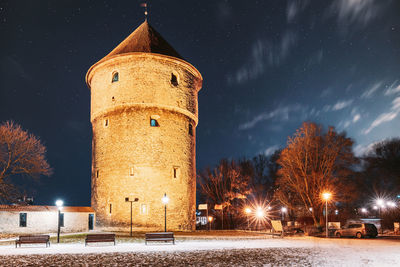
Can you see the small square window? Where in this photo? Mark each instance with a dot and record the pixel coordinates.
(190, 129)
(22, 219)
(175, 172)
(106, 122)
(115, 77)
(110, 208)
(97, 174)
(154, 123)
(174, 79)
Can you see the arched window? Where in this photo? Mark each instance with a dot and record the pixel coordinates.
(174, 79)
(115, 77)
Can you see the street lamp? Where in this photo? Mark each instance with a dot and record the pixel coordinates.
(283, 210)
(364, 210)
(326, 196)
(165, 200)
(248, 211)
(131, 201)
(210, 219)
(380, 204)
(59, 204)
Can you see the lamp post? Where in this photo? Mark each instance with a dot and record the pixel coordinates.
(131, 201)
(59, 204)
(380, 204)
(165, 200)
(210, 219)
(326, 196)
(283, 210)
(248, 211)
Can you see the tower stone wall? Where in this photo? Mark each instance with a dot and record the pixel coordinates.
(130, 157)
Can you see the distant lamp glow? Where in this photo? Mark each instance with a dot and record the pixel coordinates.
(326, 195)
(247, 210)
(310, 209)
(284, 209)
(375, 207)
(336, 212)
(210, 219)
(391, 204)
(260, 213)
(363, 210)
(165, 199)
(380, 202)
(59, 203)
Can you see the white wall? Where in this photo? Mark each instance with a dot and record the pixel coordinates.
(43, 222)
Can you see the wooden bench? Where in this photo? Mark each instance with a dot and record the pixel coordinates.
(93, 238)
(162, 236)
(32, 239)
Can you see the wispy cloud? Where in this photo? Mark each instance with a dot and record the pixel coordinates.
(280, 113)
(346, 123)
(264, 54)
(363, 149)
(356, 13)
(270, 150)
(356, 117)
(393, 89)
(371, 90)
(385, 117)
(342, 104)
(294, 7)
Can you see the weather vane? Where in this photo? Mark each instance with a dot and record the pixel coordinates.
(145, 9)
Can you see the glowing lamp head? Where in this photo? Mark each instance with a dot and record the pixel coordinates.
(284, 209)
(165, 199)
(391, 204)
(375, 207)
(260, 213)
(364, 210)
(247, 210)
(326, 195)
(59, 203)
(380, 202)
(210, 218)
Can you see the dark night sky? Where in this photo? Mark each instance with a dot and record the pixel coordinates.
(267, 67)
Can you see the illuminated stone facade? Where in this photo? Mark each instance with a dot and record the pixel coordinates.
(144, 113)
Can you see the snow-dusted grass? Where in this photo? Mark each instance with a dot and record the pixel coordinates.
(207, 249)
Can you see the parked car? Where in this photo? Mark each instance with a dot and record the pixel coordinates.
(358, 230)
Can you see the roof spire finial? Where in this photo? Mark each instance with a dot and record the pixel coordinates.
(145, 10)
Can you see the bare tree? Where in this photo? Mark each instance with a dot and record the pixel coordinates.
(315, 161)
(21, 153)
(225, 185)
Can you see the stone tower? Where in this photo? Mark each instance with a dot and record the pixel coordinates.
(144, 114)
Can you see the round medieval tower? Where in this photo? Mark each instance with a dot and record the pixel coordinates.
(144, 113)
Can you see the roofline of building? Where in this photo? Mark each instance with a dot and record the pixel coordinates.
(44, 208)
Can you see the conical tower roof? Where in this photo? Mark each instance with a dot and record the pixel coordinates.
(144, 39)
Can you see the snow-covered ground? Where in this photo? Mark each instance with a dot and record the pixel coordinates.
(291, 251)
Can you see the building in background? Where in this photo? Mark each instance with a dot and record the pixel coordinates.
(21, 219)
(144, 113)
